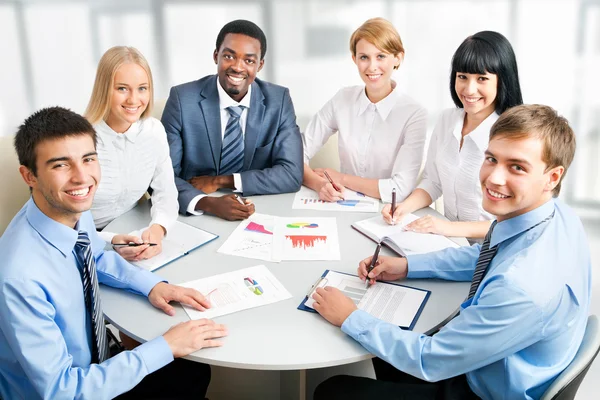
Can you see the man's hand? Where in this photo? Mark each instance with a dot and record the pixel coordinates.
(127, 252)
(154, 234)
(386, 269)
(399, 213)
(188, 337)
(163, 293)
(226, 207)
(207, 184)
(333, 305)
(429, 224)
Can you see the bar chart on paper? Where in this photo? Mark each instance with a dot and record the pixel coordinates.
(305, 239)
(308, 199)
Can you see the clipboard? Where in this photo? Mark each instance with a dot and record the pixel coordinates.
(322, 281)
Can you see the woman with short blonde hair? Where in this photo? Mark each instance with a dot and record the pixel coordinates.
(132, 150)
(381, 129)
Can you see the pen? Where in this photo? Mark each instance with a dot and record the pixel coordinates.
(331, 181)
(132, 244)
(373, 263)
(393, 203)
(239, 199)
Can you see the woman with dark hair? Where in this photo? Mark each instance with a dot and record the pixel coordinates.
(484, 82)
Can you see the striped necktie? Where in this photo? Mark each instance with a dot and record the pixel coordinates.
(232, 149)
(83, 251)
(487, 254)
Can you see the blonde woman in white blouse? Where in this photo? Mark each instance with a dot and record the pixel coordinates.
(484, 82)
(381, 130)
(132, 150)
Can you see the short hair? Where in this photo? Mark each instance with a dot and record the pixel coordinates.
(48, 124)
(543, 122)
(489, 51)
(98, 108)
(379, 32)
(243, 27)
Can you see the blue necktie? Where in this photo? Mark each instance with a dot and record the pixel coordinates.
(232, 150)
(83, 251)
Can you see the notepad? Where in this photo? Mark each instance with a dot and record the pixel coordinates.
(391, 302)
(400, 241)
(179, 241)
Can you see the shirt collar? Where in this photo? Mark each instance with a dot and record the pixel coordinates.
(226, 101)
(481, 134)
(512, 227)
(130, 134)
(58, 235)
(383, 107)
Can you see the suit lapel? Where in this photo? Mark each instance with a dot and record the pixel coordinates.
(253, 124)
(209, 103)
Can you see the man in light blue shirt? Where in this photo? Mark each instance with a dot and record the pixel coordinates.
(527, 311)
(47, 346)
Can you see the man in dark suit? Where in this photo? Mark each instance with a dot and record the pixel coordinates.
(232, 130)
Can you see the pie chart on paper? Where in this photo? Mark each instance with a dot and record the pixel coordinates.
(253, 286)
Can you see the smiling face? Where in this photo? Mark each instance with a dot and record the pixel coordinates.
(129, 97)
(513, 177)
(68, 173)
(238, 61)
(477, 92)
(375, 66)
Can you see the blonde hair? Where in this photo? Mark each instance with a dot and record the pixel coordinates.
(98, 108)
(543, 122)
(381, 33)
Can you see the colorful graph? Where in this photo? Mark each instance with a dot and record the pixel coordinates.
(253, 286)
(302, 225)
(311, 201)
(254, 227)
(355, 203)
(304, 242)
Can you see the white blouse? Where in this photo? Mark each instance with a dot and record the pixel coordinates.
(132, 162)
(382, 141)
(454, 172)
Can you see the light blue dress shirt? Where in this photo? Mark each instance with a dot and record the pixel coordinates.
(45, 330)
(525, 322)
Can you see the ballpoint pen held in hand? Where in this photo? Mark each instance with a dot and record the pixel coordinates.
(373, 263)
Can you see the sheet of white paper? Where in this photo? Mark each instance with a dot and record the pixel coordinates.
(308, 199)
(236, 291)
(253, 238)
(180, 239)
(378, 227)
(391, 303)
(305, 238)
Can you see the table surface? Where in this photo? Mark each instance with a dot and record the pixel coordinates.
(275, 336)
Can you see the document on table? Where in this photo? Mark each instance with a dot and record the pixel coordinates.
(397, 304)
(236, 291)
(253, 238)
(305, 238)
(308, 199)
(179, 241)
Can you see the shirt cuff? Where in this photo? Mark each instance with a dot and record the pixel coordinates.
(163, 221)
(156, 354)
(144, 281)
(237, 183)
(357, 323)
(191, 208)
(419, 267)
(107, 236)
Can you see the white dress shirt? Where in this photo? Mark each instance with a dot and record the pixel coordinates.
(226, 101)
(454, 172)
(131, 162)
(382, 141)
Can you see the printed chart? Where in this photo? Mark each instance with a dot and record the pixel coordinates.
(308, 199)
(253, 238)
(305, 239)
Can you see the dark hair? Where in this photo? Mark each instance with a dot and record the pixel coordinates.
(46, 124)
(489, 51)
(243, 27)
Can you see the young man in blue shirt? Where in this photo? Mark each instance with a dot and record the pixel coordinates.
(52, 336)
(527, 309)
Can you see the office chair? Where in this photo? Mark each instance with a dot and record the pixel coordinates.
(566, 384)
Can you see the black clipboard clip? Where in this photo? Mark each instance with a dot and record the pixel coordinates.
(321, 282)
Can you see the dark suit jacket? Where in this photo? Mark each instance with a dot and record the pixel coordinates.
(273, 155)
